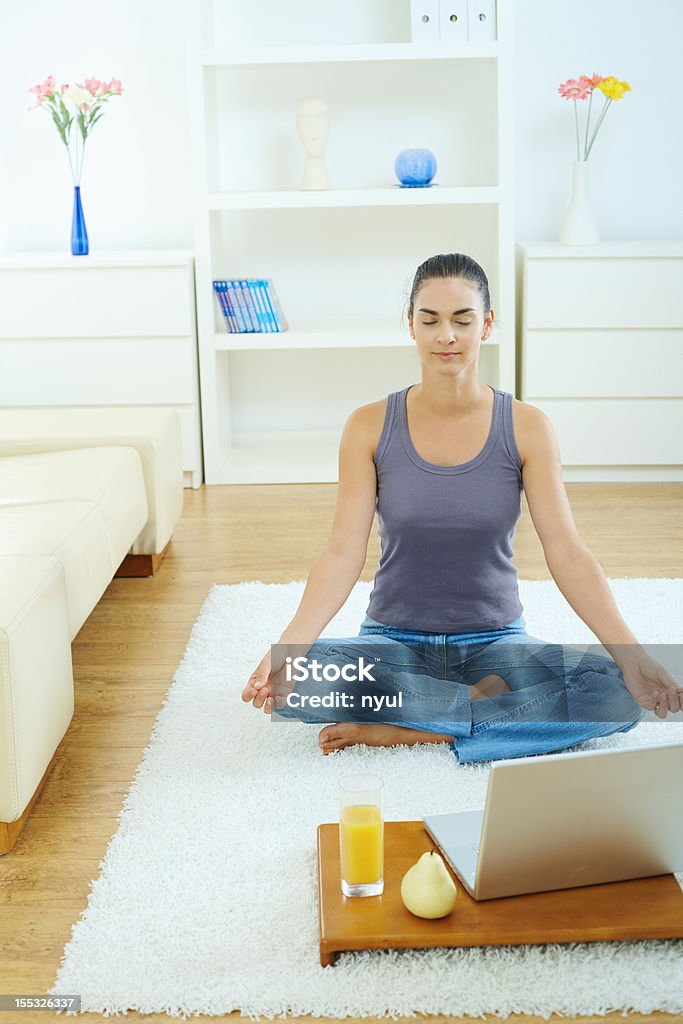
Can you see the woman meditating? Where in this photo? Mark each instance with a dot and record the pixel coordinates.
(443, 464)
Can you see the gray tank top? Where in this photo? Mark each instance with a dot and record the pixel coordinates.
(446, 531)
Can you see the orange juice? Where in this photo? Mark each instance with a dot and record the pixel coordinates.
(361, 834)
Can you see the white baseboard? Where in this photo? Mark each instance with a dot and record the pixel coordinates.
(621, 474)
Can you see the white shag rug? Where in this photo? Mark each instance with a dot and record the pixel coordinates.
(206, 900)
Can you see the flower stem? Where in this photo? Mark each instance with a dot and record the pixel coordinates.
(588, 118)
(80, 169)
(576, 118)
(71, 166)
(599, 122)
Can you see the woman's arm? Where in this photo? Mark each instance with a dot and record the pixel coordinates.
(574, 568)
(340, 563)
(583, 582)
(576, 571)
(336, 570)
(331, 579)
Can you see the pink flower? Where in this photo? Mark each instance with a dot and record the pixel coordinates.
(92, 85)
(592, 80)
(44, 91)
(88, 100)
(102, 88)
(575, 89)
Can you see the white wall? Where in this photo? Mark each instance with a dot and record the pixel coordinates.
(635, 164)
(136, 177)
(136, 186)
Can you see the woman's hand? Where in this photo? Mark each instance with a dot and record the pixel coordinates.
(651, 685)
(268, 686)
(257, 690)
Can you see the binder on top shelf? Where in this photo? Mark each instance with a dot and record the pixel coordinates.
(424, 21)
(453, 21)
(481, 20)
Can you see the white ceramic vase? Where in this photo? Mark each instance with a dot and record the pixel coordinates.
(579, 226)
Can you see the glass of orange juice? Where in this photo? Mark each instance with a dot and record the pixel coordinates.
(361, 835)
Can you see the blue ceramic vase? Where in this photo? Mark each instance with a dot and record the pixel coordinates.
(79, 235)
(415, 168)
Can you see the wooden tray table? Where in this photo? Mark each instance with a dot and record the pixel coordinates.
(640, 908)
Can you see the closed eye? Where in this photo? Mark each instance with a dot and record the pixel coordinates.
(463, 323)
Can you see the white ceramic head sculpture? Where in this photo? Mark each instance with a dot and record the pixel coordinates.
(313, 125)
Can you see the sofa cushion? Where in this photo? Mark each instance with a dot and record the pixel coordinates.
(111, 477)
(154, 432)
(83, 507)
(36, 683)
(71, 531)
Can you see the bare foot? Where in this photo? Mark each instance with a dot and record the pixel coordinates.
(345, 734)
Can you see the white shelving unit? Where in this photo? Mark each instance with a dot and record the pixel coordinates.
(342, 260)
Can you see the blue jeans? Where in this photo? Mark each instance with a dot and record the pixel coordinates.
(546, 684)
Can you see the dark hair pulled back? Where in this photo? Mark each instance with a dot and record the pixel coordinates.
(451, 264)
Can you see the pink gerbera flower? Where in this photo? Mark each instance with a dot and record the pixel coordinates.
(575, 89)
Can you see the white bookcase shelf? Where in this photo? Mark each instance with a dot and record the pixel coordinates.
(320, 335)
(341, 259)
(248, 56)
(294, 200)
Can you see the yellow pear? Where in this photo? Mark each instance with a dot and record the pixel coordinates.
(427, 889)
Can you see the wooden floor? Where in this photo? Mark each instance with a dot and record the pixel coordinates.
(126, 654)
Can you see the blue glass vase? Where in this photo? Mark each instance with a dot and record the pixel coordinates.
(415, 168)
(79, 235)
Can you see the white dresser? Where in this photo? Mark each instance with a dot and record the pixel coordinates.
(113, 328)
(600, 351)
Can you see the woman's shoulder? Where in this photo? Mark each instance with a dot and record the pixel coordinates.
(366, 423)
(527, 422)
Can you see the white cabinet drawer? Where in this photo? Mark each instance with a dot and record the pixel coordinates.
(603, 364)
(598, 292)
(56, 302)
(623, 432)
(97, 371)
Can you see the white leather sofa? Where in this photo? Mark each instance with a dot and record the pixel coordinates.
(85, 494)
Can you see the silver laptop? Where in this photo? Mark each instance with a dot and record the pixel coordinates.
(558, 821)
